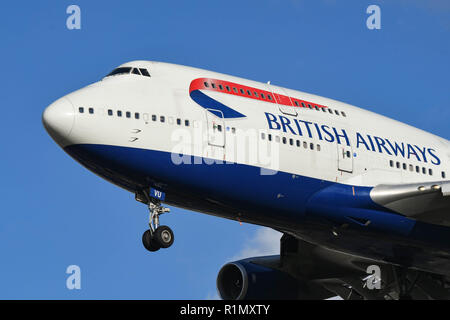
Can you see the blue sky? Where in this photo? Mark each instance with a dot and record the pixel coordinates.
(55, 213)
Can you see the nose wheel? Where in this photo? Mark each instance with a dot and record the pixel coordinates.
(149, 243)
(164, 236)
(157, 237)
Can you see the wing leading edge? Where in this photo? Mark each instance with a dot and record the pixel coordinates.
(427, 202)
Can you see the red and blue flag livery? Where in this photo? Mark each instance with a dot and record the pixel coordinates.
(199, 85)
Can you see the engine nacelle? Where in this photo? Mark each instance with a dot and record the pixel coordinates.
(243, 279)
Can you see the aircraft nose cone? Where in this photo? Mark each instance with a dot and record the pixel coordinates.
(58, 119)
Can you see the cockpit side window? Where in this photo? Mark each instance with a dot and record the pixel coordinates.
(144, 72)
(121, 70)
(136, 71)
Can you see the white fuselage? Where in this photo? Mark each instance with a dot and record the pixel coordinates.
(421, 156)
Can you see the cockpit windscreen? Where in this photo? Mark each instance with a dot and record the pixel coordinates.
(121, 70)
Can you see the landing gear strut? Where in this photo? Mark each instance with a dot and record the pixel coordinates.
(157, 236)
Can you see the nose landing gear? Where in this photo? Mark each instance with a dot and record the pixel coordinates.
(157, 236)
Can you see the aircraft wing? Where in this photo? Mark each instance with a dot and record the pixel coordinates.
(427, 202)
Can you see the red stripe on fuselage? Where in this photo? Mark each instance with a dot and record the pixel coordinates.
(256, 94)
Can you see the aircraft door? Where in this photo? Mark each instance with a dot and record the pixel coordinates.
(215, 127)
(283, 101)
(146, 118)
(345, 158)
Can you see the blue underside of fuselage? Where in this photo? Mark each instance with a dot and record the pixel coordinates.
(288, 201)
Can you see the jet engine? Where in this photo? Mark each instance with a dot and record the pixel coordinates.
(246, 280)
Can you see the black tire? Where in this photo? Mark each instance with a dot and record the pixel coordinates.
(164, 236)
(149, 243)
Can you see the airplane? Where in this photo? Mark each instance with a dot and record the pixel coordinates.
(362, 200)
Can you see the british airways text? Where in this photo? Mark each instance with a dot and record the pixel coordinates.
(371, 143)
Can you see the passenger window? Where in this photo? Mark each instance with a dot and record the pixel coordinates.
(303, 104)
(443, 175)
(263, 136)
(284, 140)
(349, 155)
(91, 110)
(269, 136)
(233, 130)
(249, 93)
(235, 90)
(411, 168)
(242, 91)
(298, 143)
(186, 123)
(337, 112)
(262, 96)
(256, 94)
(213, 85)
(330, 111)
(119, 113)
(417, 169)
(219, 128)
(110, 112)
(296, 103)
(136, 115)
(391, 163)
(323, 109)
(398, 165)
(430, 172)
(162, 118)
(277, 138)
(343, 114)
(228, 88)
(144, 72)
(424, 171)
(153, 117)
(220, 87)
(291, 142)
(206, 84)
(305, 145)
(81, 109)
(404, 166)
(311, 146)
(318, 147)
(128, 114)
(269, 97)
(179, 121)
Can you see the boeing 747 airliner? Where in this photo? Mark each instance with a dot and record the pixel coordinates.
(363, 201)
